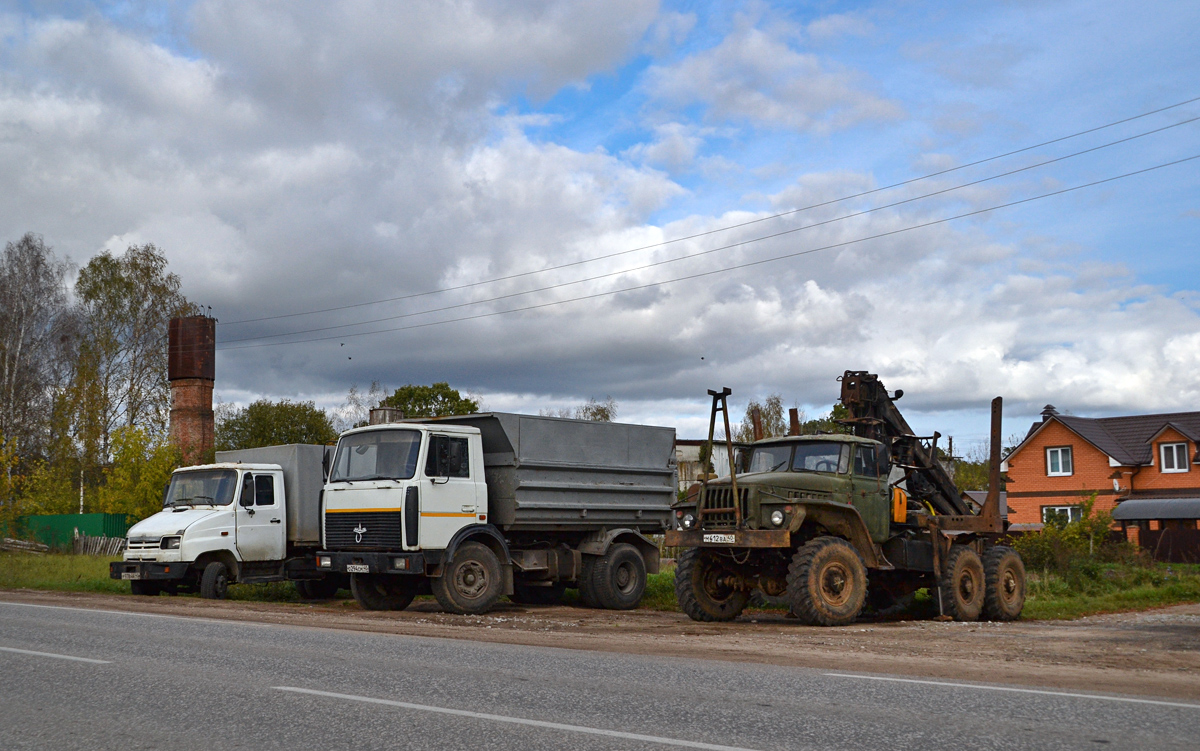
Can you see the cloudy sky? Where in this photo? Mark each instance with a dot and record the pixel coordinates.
(542, 202)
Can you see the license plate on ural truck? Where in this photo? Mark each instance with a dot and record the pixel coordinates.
(720, 538)
(357, 568)
(131, 575)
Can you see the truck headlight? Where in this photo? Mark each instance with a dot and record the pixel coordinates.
(777, 518)
(324, 561)
(170, 543)
(688, 521)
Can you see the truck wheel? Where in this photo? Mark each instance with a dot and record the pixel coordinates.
(471, 583)
(529, 595)
(703, 590)
(962, 586)
(587, 584)
(619, 578)
(827, 582)
(1004, 584)
(148, 589)
(382, 591)
(214, 582)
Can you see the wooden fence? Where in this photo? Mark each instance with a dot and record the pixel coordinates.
(107, 546)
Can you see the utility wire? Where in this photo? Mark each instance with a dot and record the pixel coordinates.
(731, 268)
(719, 229)
(689, 256)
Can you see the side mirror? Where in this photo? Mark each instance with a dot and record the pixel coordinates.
(246, 500)
(166, 489)
(325, 463)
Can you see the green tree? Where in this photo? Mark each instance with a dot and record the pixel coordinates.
(267, 423)
(437, 400)
(121, 378)
(141, 468)
(771, 415)
(596, 411)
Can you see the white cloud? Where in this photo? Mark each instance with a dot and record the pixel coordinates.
(754, 75)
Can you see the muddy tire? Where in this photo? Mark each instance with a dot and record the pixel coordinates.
(145, 588)
(1004, 584)
(827, 582)
(702, 589)
(472, 582)
(619, 578)
(530, 595)
(962, 586)
(587, 586)
(382, 591)
(214, 582)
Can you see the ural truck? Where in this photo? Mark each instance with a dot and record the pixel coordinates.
(254, 516)
(479, 506)
(835, 522)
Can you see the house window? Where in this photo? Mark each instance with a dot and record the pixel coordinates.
(1058, 462)
(1061, 515)
(1174, 457)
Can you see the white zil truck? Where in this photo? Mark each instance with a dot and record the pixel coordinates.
(254, 516)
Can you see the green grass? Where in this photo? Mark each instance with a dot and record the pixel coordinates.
(69, 573)
(1085, 589)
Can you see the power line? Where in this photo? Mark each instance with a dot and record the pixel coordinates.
(719, 229)
(689, 256)
(734, 267)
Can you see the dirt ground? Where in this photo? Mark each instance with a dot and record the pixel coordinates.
(1152, 653)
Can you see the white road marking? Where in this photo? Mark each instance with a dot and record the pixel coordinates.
(227, 621)
(1018, 690)
(51, 654)
(517, 720)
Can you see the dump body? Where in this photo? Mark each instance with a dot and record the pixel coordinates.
(303, 478)
(559, 475)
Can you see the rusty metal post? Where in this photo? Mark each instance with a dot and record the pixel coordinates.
(733, 489)
(793, 421)
(991, 506)
(191, 370)
(756, 421)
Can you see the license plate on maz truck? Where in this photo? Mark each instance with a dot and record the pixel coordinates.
(131, 575)
(720, 538)
(357, 568)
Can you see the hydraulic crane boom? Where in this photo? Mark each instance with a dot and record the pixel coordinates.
(873, 414)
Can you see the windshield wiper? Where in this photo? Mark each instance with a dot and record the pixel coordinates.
(777, 466)
(376, 477)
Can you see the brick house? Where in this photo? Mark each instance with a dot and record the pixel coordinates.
(1064, 459)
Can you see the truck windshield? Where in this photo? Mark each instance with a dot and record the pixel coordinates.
(770, 458)
(209, 487)
(821, 457)
(377, 455)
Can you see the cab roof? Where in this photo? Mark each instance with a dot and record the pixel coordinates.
(821, 438)
(232, 465)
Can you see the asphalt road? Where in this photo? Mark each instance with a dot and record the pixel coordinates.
(87, 679)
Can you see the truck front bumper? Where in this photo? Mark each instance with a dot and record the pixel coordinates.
(733, 538)
(147, 570)
(370, 563)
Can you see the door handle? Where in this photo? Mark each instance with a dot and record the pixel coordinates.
(467, 509)
(276, 521)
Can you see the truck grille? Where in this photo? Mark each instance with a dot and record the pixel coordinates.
(144, 543)
(377, 530)
(717, 507)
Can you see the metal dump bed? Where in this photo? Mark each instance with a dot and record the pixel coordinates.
(303, 479)
(556, 474)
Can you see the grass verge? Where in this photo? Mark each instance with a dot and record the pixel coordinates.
(1083, 590)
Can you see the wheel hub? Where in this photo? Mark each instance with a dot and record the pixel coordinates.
(471, 580)
(834, 579)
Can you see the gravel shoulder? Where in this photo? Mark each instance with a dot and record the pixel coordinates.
(1151, 653)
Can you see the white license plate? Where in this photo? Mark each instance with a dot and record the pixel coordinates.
(131, 575)
(357, 568)
(719, 538)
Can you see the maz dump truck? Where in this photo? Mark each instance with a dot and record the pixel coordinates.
(475, 507)
(254, 516)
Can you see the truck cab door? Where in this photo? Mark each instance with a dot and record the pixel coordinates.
(870, 492)
(448, 500)
(261, 520)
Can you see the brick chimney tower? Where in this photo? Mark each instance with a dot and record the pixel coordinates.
(191, 369)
